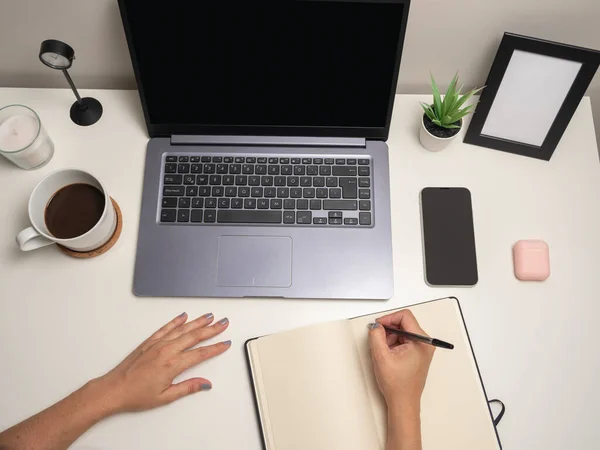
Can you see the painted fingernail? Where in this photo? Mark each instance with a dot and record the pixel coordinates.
(206, 387)
(224, 321)
(373, 325)
(227, 342)
(208, 316)
(182, 314)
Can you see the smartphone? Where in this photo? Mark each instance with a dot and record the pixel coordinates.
(448, 237)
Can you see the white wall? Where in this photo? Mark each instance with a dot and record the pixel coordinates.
(443, 36)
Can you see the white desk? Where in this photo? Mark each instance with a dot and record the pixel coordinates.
(64, 321)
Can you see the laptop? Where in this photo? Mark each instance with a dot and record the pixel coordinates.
(267, 170)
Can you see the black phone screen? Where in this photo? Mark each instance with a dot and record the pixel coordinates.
(448, 237)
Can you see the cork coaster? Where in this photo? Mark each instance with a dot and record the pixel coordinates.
(106, 247)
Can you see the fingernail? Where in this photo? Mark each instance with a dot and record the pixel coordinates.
(227, 342)
(373, 325)
(182, 314)
(206, 387)
(224, 321)
(208, 316)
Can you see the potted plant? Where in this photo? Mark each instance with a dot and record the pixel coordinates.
(442, 120)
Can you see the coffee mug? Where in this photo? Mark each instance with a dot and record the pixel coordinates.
(72, 208)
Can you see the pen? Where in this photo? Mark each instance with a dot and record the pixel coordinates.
(418, 337)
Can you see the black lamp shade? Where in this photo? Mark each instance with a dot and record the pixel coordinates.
(57, 54)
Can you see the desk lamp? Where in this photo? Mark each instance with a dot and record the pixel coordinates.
(58, 55)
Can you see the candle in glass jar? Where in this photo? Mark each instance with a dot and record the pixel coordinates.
(17, 132)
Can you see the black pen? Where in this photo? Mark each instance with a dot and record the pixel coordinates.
(418, 337)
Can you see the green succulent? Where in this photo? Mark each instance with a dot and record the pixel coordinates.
(445, 113)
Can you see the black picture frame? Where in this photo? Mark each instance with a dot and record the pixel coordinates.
(589, 59)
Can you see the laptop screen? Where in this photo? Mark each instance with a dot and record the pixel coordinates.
(285, 67)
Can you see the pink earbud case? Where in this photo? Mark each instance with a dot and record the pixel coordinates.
(532, 260)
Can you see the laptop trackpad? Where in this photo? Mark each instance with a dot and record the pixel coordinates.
(254, 261)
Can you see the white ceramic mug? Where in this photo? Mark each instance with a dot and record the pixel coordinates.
(38, 235)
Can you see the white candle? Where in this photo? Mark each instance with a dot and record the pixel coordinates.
(24, 141)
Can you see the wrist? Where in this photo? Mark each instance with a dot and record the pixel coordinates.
(102, 397)
(404, 407)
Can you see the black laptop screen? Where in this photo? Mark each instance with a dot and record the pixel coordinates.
(288, 64)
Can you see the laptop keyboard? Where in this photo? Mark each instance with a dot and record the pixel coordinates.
(206, 190)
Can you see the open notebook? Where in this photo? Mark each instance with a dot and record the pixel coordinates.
(315, 387)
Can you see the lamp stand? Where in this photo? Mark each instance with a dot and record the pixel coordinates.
(85, 111)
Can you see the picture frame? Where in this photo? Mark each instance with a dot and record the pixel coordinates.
(530, 96)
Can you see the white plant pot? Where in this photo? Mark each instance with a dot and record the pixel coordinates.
(431, 142)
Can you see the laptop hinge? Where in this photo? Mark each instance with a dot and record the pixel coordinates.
(276, 141)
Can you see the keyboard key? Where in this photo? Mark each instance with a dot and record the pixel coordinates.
(273, 160)
(351, 162)
(169, 202)
(306, 160)
(223, 202)
(283, 192)
(244, 191)
(345, 171)
(184, 159)
(334, 214)
(210, 203)
(228, 180)
(170, 168)
(218, 191)
(322, 193)
(289, 217)
(173, 179)
(364, 162)
(194, 159)
(318, 161)
(335, 193)
(284, 160)
(286, 170)
(183, 215)
(332, 182)
(279, 181)
(197, 203)
(230, 191)
(251, 160)
(202, 180)
(215, 180)
(217, 159)
(306, 181)
(173, 191)
(340, 205)
(183, 168)
(273, 170)
(318, 181)
(222, 168)
(276, 203)
(241, 180)
(364, 205)
(329, 161)
(191, 191)
(270, 192)
(254, 180)
(335, 221)
(262, 203)
(248, 169)
(256, 192)
(364, 171)
(325, 170)
(235, 169)
(228, 159)
(209, 216)
(364, 218)
(308, 193)
(296, 192)
(364, 194)
(250, 203)
(168, 215)
(293, 181)
(302, 204)
(261, 160)
(304, 217)
(189, 179)
(196, 168)
(289, 204)
(197, 215)
(267, 180)
(239, 160)
(340, 161)
(320, 220)
(171, 159)
(237, 203)
(364, 182)
(185, 202)
(299, 170)
(296, 160)
(204, 191)
(315, 204)
(260, 169)
(349, 188)
(206, 159)
(312, 170)
(209, 168)
(350, 221)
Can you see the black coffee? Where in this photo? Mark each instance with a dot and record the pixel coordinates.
(74, 210)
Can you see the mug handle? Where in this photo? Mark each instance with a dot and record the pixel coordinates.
(29, 239)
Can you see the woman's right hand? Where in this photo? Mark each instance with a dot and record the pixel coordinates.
(401, 365)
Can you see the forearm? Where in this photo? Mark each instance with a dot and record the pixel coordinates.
(404, 427)
(57, 427)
